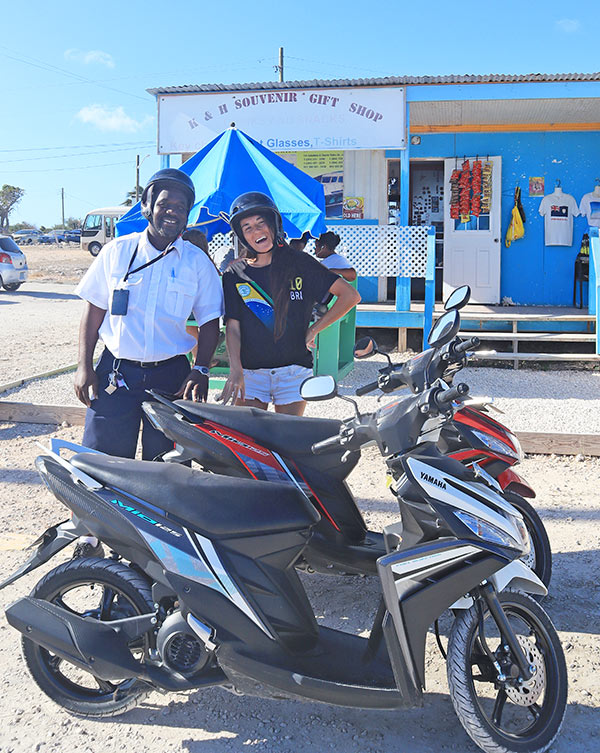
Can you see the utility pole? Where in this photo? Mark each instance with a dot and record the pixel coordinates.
(62, 193)
(280, 66)
(137, 178)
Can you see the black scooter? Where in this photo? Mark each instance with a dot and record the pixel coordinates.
(202, 588)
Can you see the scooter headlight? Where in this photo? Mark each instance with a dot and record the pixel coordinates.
(489, 532)
(518, 448)
(519, 524)
(496, 445)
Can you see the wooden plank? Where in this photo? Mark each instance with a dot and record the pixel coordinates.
(53, 372)
(542, 443)
(32, 413)
(539, 443)
(485, 334)
(591, 357)
(402, 339)
(503, 127)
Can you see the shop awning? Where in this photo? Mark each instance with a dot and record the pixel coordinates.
(232, 164)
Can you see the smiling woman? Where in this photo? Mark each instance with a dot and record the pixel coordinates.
(269, 299)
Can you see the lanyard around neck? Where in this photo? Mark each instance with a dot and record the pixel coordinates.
(147, 264)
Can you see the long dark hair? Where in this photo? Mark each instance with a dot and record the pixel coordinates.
(282, 267)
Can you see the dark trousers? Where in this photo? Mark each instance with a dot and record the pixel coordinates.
(112, 424)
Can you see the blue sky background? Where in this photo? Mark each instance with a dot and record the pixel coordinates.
(75, 111)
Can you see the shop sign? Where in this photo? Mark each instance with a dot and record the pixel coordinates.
(354, 208)
(296, 120)
(328, 169)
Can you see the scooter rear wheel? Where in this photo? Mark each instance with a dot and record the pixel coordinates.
(503, 715)
(105, 590)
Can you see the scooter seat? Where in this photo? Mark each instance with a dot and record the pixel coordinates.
(289, 435)
(219, 506)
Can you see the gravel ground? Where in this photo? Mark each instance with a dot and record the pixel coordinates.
(212, 721)
(558, 401)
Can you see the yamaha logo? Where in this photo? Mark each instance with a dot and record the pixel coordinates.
(433, 480)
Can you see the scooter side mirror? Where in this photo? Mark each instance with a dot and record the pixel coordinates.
(445, 329)
(365, 347)
(458, 298)
(318, 388)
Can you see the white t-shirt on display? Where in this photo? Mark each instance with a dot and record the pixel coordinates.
(335, 261)
(590, 207)
(558, 211)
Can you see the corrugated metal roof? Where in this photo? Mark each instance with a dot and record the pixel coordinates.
(495, 78)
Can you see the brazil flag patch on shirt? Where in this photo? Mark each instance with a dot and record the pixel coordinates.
(257, 303)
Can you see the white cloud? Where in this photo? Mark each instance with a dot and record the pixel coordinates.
(568, 25)
(111, 119)
(92, 56)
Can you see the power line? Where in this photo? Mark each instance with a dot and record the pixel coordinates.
(63, 169)
(76, 146)
(36, 63)
(66, 156)
(332, 65)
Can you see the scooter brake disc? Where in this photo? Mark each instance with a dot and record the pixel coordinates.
(526, 693)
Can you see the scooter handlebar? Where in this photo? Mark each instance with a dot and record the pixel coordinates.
(326, 445)
(454, 393)
(367, 388)
(472, 342)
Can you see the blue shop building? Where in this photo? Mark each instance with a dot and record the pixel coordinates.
(415, 151)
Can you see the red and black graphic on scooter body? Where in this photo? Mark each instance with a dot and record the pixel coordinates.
(262, 464)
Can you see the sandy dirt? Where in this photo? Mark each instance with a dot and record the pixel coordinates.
(212, 721)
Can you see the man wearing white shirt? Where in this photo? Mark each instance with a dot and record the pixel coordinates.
(139, 293)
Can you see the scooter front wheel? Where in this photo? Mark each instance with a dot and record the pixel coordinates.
(501, 712)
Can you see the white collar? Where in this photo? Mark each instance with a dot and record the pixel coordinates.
(177, 243)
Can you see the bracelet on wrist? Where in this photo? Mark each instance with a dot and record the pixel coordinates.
(202, 369)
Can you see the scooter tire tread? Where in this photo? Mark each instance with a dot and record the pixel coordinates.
(94, 567)
(464, 705)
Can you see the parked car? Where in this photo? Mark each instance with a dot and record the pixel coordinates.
(73, 236)
(54, 236)
(28, 235)
(13, 264)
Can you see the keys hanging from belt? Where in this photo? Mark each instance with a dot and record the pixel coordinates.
(115, 379)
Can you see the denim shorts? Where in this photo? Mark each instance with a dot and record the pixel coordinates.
(279, 386)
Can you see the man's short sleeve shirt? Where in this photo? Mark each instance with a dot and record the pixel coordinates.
(161, 297)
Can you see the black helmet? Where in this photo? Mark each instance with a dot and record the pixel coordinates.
(168, 176)
(254, 202)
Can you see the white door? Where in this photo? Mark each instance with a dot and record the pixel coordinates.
(472, 249)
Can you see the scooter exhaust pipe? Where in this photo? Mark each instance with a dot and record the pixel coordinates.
(87, 643)
(97, 647)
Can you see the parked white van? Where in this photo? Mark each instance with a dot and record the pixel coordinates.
(99, 228)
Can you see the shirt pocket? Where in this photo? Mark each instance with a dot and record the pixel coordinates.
(179, 299)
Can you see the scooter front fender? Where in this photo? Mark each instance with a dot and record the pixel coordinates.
(48, 544)
(512, 482)
(514, 575)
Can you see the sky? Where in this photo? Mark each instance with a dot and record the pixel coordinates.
(74, 109)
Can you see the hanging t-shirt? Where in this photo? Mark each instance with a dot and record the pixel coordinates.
(590, 207)
(251, 305)
(558, 211)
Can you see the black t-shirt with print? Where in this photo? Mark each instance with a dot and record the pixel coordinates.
(309, 282)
